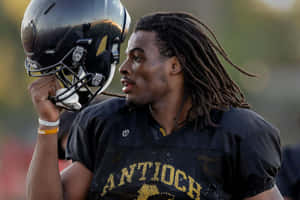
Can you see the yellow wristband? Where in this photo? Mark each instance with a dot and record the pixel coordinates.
(48, 131)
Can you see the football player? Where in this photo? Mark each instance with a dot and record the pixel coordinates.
(184, 130)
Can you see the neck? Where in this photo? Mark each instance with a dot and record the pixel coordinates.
(171, 112)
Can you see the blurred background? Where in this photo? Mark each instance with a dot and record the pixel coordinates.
(262, 36)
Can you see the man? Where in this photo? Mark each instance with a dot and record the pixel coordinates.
(288, 179)
(184, 130)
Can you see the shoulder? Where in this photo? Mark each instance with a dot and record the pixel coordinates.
(104, 109)
(245, 122)
(254, 147)
(251, 136)
(88, 128)
(98, 113)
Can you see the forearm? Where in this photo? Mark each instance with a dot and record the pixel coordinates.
(43, 178)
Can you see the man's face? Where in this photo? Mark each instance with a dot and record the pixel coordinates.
(144, 72)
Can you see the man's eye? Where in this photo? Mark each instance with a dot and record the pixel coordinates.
(137, 58)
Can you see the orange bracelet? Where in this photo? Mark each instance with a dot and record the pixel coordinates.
(48, 131)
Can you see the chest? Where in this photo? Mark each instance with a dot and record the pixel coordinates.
(137, 165)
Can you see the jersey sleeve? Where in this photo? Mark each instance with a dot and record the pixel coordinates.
(81, 145)
(87, 138)
(259, 160)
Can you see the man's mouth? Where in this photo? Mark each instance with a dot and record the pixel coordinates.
(127, 85)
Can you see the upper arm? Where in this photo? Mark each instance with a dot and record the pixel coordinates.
(76, 180)
(259, 161)
(271, 194)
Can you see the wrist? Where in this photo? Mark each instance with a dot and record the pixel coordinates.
(42, 127)
(46, 123)
(52, 131)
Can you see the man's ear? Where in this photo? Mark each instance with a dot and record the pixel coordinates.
(175, 66)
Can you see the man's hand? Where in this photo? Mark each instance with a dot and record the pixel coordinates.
(40, 90)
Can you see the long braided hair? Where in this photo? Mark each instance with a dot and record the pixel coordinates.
(205, 78)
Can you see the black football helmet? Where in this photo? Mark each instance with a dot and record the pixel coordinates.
(76, 40)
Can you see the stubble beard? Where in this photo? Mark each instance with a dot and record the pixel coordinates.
(134, 103)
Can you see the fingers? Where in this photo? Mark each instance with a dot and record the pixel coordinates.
(40, 90)
(42, 87)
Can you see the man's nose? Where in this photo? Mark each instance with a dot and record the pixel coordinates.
(124, 68)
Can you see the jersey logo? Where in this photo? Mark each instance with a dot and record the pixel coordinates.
(125, 132)
(148, 192)
(161, 173)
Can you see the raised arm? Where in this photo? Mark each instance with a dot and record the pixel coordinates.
(43, 178)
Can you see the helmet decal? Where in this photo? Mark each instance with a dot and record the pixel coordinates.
(102, 45)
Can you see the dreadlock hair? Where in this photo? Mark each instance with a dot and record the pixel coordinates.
(205, 78)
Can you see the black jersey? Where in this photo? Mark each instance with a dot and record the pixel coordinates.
(132, 159)
(288, 179)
